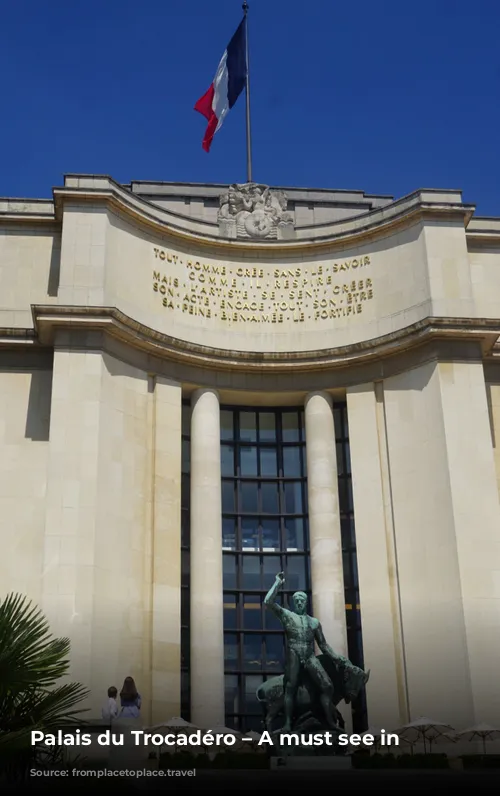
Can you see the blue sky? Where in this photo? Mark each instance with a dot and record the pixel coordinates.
(385, 97)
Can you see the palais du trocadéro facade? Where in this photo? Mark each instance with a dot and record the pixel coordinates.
(204, 385)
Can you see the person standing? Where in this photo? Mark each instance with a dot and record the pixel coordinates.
(130, 700)
(129, 755)
(110, 708)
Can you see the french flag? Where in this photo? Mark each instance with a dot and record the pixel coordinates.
(227, 85)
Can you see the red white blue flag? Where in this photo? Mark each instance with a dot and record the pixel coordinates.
(226, 87)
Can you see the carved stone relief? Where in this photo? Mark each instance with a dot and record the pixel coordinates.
(255, 211)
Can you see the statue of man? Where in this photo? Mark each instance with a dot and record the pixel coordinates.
(301, 632)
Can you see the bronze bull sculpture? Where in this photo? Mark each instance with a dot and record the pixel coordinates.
(347, 685)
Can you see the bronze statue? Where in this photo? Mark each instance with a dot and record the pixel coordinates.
(308, 679)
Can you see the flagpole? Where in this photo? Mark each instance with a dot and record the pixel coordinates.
(249, 134)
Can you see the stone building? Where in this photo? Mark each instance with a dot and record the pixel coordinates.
(202, 385)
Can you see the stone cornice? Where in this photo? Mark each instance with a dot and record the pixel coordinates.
(34, 211)
(51, 319)
(12, 337)
(103, 190)
(482, 229)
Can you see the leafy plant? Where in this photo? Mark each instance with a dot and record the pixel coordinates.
(31, 665)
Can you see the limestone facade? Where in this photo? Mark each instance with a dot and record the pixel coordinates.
(119, 302)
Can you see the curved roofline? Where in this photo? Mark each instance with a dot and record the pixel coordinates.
(95, 189)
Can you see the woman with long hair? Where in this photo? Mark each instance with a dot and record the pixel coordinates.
(130, 700)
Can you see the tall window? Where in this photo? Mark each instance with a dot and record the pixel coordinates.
(264, 521)
(265, 531)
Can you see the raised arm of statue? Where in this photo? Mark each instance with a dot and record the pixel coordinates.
(270, 598)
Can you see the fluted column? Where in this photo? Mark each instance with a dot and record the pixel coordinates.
(324, 520)
(207, 634)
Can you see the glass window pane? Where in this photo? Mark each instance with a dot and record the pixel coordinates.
(346, 562)
(252, 704)
(271, 621)
(288, 600)
(185, 648)
(228, 501)
(296, 573)
(226, 425)
(230, 651)
(249, 496)
(185, 567)
(229, 571)
(275, 652)
(186, 421)
(248, 427)
(268, 462)
(185, 490)
(269, 498)
(355, 647)
(249, 533)
(294, 531)
(347, 531)
(270, 534)
(227, 460)
(293, 497)
(267, 426)
(229, 533)
(271, 567)
(290, 426)
(230, 619)
(354, 562)
(231, 693)
(337, 419)
(185, 528)
(350, 599)
(345, 496)
(186, 450)
(340, 459)
(291, 462)
(252, 612)
(251, 573)
(252, 651)
(185, 613)
(248, 461)
(350, 501)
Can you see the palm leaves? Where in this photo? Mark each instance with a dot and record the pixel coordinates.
(31, 665)
(26, 653)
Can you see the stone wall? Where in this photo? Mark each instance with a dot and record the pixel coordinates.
(25, 399)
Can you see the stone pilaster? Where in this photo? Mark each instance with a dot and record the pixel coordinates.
(383, 651)
(165, 552)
